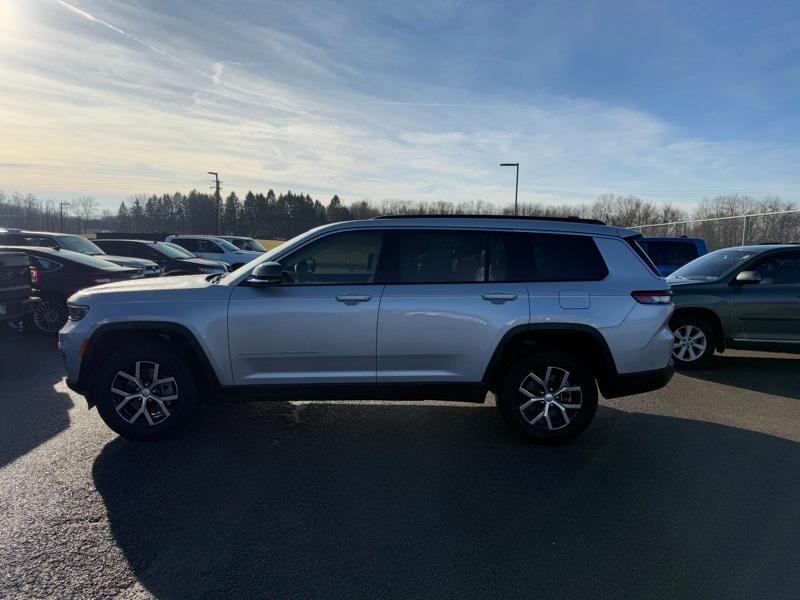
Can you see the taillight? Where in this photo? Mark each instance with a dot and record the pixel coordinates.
(653, 297)
(34, 276)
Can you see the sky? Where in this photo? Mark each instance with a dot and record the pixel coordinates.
(673, 101)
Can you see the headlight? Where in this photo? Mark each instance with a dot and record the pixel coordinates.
(212, 270)
(77, 312)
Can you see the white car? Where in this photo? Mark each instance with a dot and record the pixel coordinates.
(214, 248)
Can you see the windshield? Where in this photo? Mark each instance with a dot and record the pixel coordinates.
(172, 250)
(713, 265)
(226, 245)
(248, 244)
(80, 244)
(89, 261)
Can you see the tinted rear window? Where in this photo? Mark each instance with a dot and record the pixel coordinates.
(551, 257)
(469, 256)
(669, 253)
(431, 256)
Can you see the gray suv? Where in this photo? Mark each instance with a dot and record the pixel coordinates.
(540, 312)
(746, 297)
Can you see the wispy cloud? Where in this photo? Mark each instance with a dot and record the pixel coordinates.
(386, 102)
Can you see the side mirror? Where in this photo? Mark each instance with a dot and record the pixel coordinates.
(266, 274)
(748, 278)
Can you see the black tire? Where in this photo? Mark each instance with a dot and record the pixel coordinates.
(125, 421)
(49, 316)
(689, 356)
(526, 414)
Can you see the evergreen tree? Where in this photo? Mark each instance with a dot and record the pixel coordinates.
(230, 214)
(123, 218)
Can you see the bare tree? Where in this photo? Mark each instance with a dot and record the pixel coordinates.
(84, 208)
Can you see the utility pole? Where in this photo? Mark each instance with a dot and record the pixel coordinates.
(516, 185)
(216, 195)
(61, 210)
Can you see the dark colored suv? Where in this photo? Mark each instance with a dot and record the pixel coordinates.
(746, 297)
(60, 273)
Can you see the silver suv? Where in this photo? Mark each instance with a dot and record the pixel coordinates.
(540, 312)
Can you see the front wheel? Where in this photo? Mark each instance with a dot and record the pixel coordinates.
(549, 397)
(50, 315)
(145, 392)
(693, 342)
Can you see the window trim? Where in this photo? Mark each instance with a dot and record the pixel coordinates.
(389, 234)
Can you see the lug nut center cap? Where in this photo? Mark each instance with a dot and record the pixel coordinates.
(548, 397)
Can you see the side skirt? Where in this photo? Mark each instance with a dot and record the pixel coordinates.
(456, 392)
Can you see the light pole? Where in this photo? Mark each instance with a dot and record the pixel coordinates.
(516, 185)
(61, 211)
(216, 194)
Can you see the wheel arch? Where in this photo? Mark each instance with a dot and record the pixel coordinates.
(583, 342)
(179, 338)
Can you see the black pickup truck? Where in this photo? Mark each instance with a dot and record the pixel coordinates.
(16, 286)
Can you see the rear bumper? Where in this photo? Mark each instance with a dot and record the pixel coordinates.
(628, 384)
(16, 309)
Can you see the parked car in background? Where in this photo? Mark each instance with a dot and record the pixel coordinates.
(746, 297)
(541, 312)
(61, 273)
(243, 243)
(17, 279)
(75, 243)
(172, 260)
(214, 248)
(671, 253)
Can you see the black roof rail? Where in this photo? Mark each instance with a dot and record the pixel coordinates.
(525, 217)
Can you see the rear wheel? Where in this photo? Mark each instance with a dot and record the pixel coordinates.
(50, 315)
(693, 342)
(548, 397)
(146, 392)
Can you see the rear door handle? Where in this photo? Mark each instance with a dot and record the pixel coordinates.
(499, 297)
(353, 298)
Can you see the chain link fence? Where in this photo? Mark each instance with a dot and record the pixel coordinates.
(723, 232)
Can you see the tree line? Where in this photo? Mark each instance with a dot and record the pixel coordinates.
(284, 215)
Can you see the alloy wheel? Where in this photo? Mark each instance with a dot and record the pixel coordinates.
(50, 316)
(689, 343)
(147, 395)
(548, 399)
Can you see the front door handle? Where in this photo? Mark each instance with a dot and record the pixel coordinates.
(499, 297)
(353, 298)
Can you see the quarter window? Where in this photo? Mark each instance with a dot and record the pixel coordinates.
(554, 257)
(344, 258)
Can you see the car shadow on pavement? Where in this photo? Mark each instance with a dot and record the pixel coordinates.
(429, 500)
(32, 413)
(777, 375)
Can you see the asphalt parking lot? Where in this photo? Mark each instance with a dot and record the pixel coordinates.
(692, 491)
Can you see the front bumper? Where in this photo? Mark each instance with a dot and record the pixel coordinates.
(628, 384)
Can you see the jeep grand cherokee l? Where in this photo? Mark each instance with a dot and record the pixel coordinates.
(540, 312)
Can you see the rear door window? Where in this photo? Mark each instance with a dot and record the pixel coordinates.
(438, 256)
